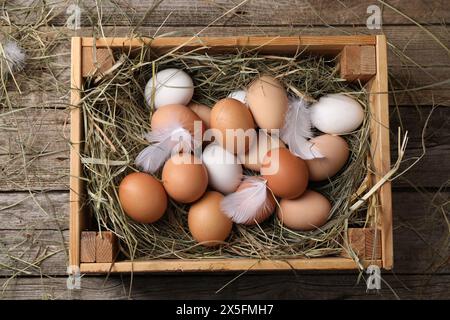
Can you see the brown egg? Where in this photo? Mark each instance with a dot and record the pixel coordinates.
(230, 113)
(258, 149)
(268, 102)
(142, 197)
(335, 151)
(207, 222)
(266, 211)
(175, 114)
(185, 178)
(202, 111)
(286, 174)
(307, 212)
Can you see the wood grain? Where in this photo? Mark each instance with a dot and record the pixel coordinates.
(411, 41)
(76, 186)
(41, 211)
(278, 286)
(106, 246)
(420, 235)
(88, 246)
(263, 12)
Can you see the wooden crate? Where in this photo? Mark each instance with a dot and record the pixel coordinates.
(361, 58)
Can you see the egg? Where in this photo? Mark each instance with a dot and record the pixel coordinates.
(142, 197)
(268, 102)
(185, 178)
(258, 149)
(239, 95)
(307, 212)
(286, 174)
(335, 151)
(224, 171)
(174, 115)
(336, 114)
(266, 211)
(207, 222)
(169, 86)
(202, 111)
(231, 118)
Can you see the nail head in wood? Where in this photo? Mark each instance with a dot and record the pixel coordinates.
(91, 66)
(87, 251)
(358, 63)
(106, 246)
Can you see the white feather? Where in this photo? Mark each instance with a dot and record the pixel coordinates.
(246, 205)
(297, 130)
(163, 143)
(13, 57)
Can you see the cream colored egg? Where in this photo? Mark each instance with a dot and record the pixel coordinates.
(307, 212)
(268, 102)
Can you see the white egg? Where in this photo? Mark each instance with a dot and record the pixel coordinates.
(170, 86)
(240, 95)
(336, 114)
(224, 170)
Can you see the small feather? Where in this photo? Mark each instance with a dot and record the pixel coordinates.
(297, 130)
(245, 205)
(163, 144)
(13, 56)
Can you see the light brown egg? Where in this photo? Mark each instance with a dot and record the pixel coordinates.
(202, 111)
(185, 178)
(307, 212)
(207, 223)
(175, 114)
(266, 211)
(258, 149)
(230, 113)
(286, 174)
(268, 102)
(335, 151)
(142, 197)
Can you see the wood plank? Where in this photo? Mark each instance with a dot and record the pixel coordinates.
(358, 63)
(380, 149)
(420, 235)
(41, 211)
(415, 43)
(263, 12)
(33, 252)
(279, 286)
(225, 265)
(47, 130)
(76, 185)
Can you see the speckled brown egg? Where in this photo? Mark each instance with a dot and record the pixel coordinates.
(286, 174)
(171, 115)
(268, 102)
(307, 212)
(142, 197)
(207, 222)
(185, 178)
(232, 114)
(335, 151)
(202, 111)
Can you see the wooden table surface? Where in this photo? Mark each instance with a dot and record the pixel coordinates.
(34, 151)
